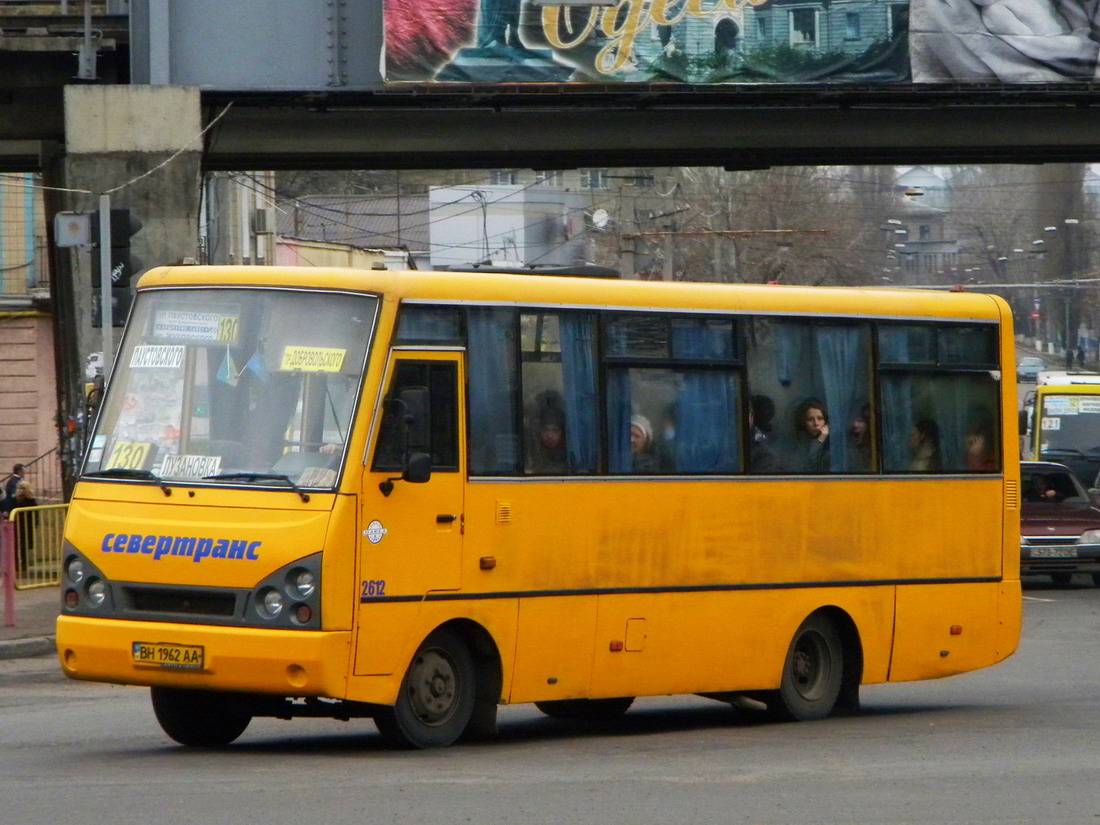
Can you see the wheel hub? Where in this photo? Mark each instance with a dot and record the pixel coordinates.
(432, 688)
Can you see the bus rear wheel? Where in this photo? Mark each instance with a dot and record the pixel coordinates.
(199, 718)
(436, 699)
(813, 673)
(586, 708)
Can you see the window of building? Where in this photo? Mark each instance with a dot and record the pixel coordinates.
(899, 19)
(594, 179)
(503, 176)
(803, 27)
(550, 177)
(852, 26)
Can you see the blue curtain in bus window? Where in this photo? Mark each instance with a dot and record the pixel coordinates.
(843, 372)
(949, 407)
(706, 439)
(578, 361)
(619, 411)
(788, 351)
(897, 422)
(494, 442)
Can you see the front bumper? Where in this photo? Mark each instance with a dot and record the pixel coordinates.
(278, 662)
(1063, 556)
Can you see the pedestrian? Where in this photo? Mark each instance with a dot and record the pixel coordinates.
(13, 482)
(24, 525)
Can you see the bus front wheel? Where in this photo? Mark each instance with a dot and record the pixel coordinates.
(812, 673)
(436, 699)
(199, 718)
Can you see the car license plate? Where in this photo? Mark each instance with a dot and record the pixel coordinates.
(164, 654)
(1053, 552)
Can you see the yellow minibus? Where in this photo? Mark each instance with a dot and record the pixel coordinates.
(416, 496)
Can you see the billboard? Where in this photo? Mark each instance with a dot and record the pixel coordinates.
(646, 41)
(700, 42)
(1006, 41)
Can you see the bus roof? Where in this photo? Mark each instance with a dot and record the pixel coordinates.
(545, 290)
(1065, 379)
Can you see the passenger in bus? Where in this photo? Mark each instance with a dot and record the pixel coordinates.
(859, 441)
(980, 450)
(810, 453)
(924, 447)
(548, 444)
(762, 458)
(641, 446)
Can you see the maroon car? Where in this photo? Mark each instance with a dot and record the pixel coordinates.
(1059, 526)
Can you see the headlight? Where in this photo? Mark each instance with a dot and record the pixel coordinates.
(289, 597)
(271, 603)
(1089, 537)
(75, 570)
(302, 583)
(97, 592)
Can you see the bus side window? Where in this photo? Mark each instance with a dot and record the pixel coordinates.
(939, 398)
(441, 412)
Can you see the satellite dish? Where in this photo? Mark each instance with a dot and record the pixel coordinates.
(599, 218)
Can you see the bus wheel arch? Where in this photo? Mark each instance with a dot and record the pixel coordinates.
(489, 682)
(821, 671)
(450, 689)
(852, 650)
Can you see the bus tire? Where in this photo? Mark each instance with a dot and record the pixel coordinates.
(199, 718)
(436, 699)
(813, 673)
(586, 708)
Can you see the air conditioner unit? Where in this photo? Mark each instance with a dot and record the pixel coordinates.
(263, 221)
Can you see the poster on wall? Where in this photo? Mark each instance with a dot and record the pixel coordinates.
(1005, 41)
(647, 41)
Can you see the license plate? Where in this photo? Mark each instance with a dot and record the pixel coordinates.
(164, 654)
(1053, 552)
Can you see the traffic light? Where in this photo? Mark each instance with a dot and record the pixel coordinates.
(124, 225)
(121, 299)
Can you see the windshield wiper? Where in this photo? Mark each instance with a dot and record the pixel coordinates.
(259, 477)
(124, 472)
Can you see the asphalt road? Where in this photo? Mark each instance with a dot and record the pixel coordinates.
(1014, 744)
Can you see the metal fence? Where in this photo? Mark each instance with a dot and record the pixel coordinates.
(36, 535)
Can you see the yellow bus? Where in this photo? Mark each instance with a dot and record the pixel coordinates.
(1064, 424)
(415, 496)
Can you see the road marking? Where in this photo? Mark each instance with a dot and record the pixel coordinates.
(1037, 599)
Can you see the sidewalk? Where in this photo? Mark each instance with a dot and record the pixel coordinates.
(35, 614)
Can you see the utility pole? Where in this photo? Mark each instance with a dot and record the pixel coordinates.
(106, 315)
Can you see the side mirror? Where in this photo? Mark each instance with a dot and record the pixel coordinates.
(417, 418)
(418, 469)
(1023, 422)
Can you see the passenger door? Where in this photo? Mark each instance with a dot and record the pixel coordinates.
(411, 538)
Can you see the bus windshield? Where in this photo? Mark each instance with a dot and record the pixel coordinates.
(1070, 423)
(234, 385)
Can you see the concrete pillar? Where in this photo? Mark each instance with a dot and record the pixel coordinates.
(141, 145)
